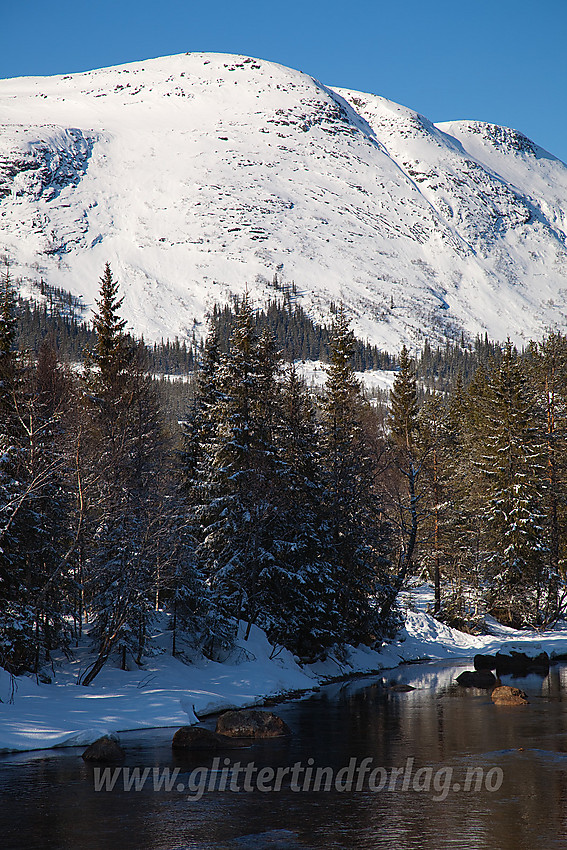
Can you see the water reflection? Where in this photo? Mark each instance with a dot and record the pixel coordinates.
(48, 799)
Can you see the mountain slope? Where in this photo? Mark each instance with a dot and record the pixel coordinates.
(198, 175)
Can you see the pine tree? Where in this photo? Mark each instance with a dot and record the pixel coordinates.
(509, 456)
(16, 519)
(408, 457)
(358, 532)
(547, 371)
(237, 509)
(300, 588)
(127, 508)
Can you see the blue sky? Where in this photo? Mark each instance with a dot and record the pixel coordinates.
(503, 61)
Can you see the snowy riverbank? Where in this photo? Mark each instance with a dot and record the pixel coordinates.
(167, 692)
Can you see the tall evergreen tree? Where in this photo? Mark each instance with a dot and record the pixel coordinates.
(358, 532)
(237, 508)
(509, 455)
(16, 520)
(407, 460)
(461, 503)
(254, 482)
(126, 503)
(302, 583)
(8, 328)
(547, 371)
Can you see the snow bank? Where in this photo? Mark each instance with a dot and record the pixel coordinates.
(168, 692)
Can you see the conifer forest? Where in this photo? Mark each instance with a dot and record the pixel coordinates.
(240, 493)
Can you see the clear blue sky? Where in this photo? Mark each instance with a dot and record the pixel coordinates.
(503, 61)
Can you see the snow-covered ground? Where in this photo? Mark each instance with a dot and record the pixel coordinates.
(168, 692)
(314, 373)
(199, 175)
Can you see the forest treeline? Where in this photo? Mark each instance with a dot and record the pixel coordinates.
(58, 315)
(303, 513)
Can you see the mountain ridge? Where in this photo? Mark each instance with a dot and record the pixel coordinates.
(198, 176)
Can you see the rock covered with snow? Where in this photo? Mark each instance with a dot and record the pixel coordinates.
(520, 662)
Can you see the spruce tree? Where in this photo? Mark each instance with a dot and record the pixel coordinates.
(510, 457)
(404, 404)
(237, 489)
(547, 371)
(408, 457)
(127, 514)
(358, 532)
(16, 520)
(301, 584)
(254, 482)
(8, 329)
(460, 509)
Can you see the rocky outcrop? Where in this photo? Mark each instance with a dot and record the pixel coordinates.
(506, 695)
(251, 723)
(106, 748)
(477, 679)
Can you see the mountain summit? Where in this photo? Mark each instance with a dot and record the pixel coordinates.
(199, 175)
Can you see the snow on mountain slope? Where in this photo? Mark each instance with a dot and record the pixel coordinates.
(199, 175)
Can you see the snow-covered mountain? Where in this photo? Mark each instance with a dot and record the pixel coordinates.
(198, 175)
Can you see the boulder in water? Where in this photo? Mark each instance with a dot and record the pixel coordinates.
(106, 748)
(522, 663)
(251, 723)
(477, 679)
(506, 695)
(199, 738)
(484, 662)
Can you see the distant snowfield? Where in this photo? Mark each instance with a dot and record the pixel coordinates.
(314, 373)
(167, 692)
(200, 175)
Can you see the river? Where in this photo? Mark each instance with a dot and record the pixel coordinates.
(434, 768)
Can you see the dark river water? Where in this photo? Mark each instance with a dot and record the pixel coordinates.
(438, 767)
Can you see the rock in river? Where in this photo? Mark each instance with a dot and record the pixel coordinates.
(106, 748)
(199, 738)
(251, 723)
(506, 695)
(521, 663)
(485, 662)
(477, 679)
